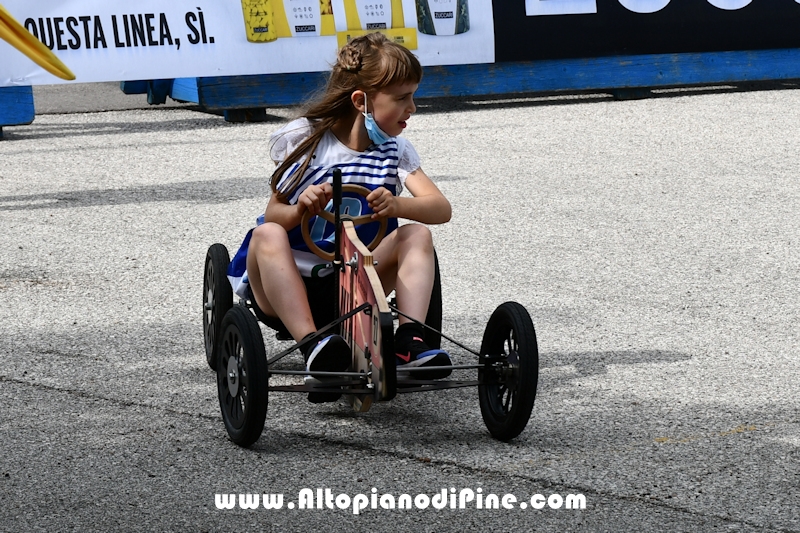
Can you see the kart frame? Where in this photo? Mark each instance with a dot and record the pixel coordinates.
(507, 363)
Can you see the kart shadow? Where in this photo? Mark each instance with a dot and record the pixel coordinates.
(593, 363)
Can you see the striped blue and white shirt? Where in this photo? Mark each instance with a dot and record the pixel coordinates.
(386, 165)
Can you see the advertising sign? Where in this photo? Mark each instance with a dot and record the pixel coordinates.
(103, 40)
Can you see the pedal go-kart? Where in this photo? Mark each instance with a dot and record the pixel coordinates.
(507, 363)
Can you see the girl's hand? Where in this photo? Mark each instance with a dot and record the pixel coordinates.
(382, 202)
(315, 197)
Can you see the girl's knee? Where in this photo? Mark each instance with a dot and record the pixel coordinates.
(269, 236)
(416, 234)
(270, 240)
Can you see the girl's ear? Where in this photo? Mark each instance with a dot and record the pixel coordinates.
(359, 98)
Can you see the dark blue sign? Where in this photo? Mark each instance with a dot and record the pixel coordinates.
(558, 29)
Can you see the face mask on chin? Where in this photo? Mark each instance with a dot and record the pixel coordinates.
(376, 134)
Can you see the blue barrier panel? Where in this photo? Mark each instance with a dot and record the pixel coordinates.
(602, 73)
(185, 90)
(181, 89)
(616, 72)
(134, 87)
(258, 91)
(16, 106)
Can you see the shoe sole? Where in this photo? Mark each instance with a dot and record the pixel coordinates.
(439, 360)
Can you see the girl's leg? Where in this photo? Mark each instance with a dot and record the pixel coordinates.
(406, 265)
(279, 291)
(275, 281)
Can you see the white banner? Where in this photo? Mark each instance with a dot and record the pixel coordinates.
(102, 40)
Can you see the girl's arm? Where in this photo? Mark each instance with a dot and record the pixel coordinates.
(427, 205)
(314, 198)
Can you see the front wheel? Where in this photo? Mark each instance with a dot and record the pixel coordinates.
(508, 380)
(242, 376)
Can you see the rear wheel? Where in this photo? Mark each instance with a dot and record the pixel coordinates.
(509, 379)
(217, 298)
(242, 376)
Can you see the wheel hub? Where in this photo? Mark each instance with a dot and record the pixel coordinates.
(209, 304)
(209, 300)
(233, 376)
(509, 371)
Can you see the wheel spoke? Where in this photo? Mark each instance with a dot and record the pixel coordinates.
(510, 343)
(226, 391)
(508, 401)
(232, 408)
(501, 392)
(210, 334)
(229, 404)
(239, 409)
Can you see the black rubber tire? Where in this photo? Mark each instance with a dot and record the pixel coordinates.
(217, 299)
(242, 397)
(507, 394)
(434, 317)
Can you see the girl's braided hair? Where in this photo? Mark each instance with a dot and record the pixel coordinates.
(368, 63)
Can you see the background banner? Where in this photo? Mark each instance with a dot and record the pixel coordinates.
(102, 40)
(108, 40)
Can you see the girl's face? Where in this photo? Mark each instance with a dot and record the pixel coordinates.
(392, 106)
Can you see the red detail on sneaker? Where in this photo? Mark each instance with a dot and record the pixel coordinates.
(407, 358)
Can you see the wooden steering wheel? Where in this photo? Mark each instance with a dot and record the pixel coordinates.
(357, 221)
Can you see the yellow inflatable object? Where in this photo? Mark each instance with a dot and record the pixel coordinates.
(21, 39)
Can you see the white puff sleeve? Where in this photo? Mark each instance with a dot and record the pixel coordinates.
(284, 141)
(408, 160)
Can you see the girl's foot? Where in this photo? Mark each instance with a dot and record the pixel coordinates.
(331, 354)
(412, 352)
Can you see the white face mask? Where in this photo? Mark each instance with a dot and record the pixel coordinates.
(376, 134)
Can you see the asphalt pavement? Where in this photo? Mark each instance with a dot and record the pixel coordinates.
(654, 243)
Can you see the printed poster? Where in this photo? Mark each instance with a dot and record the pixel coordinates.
(101, 40)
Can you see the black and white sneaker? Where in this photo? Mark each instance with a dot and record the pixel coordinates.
(331, 354)
(412, 352)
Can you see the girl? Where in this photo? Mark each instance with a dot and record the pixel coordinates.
(353, 127)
